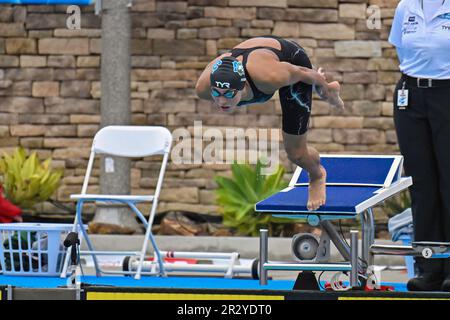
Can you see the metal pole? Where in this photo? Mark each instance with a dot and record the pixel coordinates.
(115, 106)
(365, 237)
(309, 266)
(396, 250)
(371, 227)
(263, 255)
(98, 6)
(371, 237)
(354, 258)
(362, 217)
(9, 292)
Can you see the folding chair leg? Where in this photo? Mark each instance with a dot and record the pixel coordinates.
(98, 271)
(149, 236)
(162, 271)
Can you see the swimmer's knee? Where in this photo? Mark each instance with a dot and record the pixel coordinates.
(296, 154)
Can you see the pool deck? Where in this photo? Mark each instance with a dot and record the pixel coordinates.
(186, 288)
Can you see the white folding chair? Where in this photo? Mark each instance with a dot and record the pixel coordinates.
(130, 142)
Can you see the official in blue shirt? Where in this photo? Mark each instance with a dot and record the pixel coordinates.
(421, 35)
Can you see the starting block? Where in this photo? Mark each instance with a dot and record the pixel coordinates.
(355, 184)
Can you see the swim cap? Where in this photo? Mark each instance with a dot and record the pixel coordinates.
(228, 73)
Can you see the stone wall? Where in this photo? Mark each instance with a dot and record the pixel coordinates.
(50, 81)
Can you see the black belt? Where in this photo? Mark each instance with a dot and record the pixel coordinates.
(425, 83)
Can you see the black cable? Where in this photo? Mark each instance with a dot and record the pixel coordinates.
(342, 233)
(203, 217)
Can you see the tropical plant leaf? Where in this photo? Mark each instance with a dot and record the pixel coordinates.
(238, 195)
(231, 186)
(26, 181)
(244, 180)
(241, 213)
(45, 165)
(276, 180)
(20, 155)
(29, 166)
(259, 178)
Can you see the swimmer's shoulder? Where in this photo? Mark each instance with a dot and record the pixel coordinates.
(261, 67)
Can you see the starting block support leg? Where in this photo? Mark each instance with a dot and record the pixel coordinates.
(367, 225)
(263, 255)
(364, 235)
(354, 258)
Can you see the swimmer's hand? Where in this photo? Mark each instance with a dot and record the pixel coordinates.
(322, 73)
(330, 91)
(333, 98)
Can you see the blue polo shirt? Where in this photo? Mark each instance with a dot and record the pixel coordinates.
(423, 48)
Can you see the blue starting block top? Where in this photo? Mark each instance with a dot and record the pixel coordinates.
(354, 184)
(293, 200)
(354, 171)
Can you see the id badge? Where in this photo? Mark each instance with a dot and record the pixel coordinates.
(402, 99)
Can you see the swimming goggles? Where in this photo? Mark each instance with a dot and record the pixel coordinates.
(229, 94)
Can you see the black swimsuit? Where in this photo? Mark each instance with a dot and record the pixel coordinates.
(295, 99)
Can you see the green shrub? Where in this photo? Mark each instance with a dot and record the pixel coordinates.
(237, 198)
(27, 181)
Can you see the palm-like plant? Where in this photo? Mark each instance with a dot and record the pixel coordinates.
(238, 195)
(26, 180)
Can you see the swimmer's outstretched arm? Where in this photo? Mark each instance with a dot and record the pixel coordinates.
(286, 74)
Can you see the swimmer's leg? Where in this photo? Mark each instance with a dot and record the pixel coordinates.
(296, 102)
(307, 158)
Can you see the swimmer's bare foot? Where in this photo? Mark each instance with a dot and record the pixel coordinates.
(334, 88)
(317, 191)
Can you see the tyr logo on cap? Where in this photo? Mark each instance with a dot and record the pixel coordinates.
(412, 19)
(223, 84)
(216, 65)
(238, 68)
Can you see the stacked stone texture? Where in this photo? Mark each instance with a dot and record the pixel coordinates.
(50, 81)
